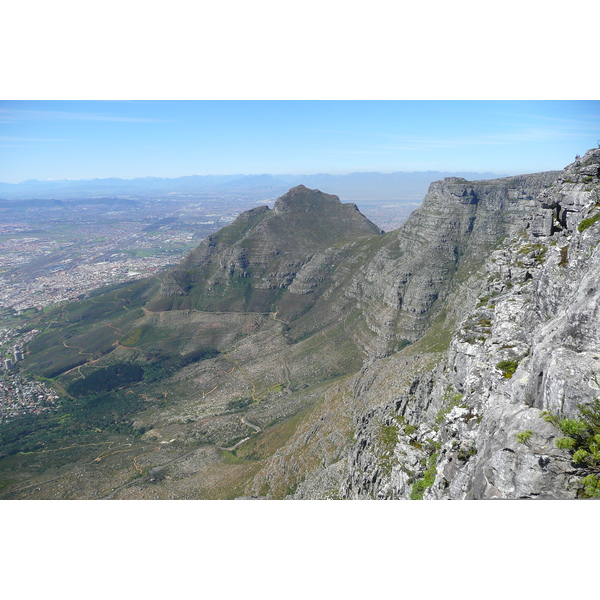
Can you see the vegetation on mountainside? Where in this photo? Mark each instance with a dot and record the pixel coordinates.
(387, 439)
(582, 439)
(424, 483)
(103, 401)
(109, 413)
(106, 379)
(524, 436)
(240, 404)
(588, 222)
(508, 367)
(450, 400)
(164, 364)
(84, 330)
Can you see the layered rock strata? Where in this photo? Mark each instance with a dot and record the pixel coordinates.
(467, 422)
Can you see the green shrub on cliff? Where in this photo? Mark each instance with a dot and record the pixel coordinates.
(524, 436)
(508, 367)
(588, 222)
(582, 439)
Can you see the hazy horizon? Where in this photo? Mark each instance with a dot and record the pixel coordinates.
(275, 175)
(83, 140)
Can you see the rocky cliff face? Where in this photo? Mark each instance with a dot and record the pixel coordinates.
(410, 278)
(497, 284)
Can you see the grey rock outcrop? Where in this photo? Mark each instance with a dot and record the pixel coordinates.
(539, 310)
(463, 418)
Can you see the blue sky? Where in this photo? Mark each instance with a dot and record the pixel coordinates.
(127, 139)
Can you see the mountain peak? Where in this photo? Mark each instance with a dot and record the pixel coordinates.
(247, 265)
(302, 199)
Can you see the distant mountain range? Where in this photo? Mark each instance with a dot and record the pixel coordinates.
(354, 186)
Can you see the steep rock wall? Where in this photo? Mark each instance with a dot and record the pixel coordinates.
(408, 280)
(476, 429)
(458, 423)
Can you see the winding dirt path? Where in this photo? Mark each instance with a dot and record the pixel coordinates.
(204, 394)
(286, 373)
(123, 299)
(157, 449)
(256, 428)
(109, 452)
(151, 472)
(81, 352)
(244, 421)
